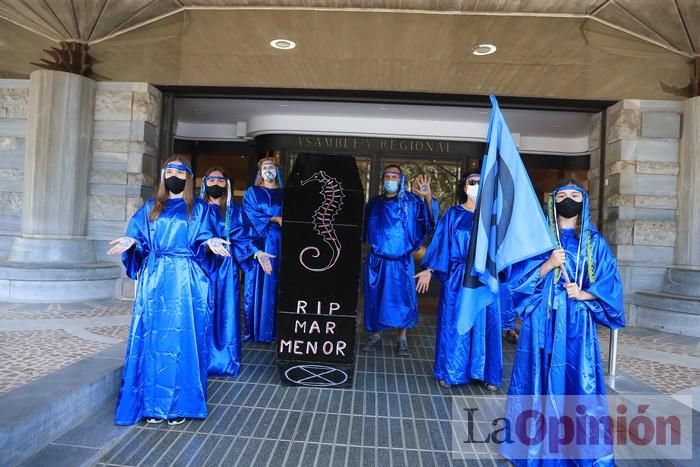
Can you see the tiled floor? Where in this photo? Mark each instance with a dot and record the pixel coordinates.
(395, 414)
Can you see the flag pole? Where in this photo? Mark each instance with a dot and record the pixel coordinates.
(612, 353)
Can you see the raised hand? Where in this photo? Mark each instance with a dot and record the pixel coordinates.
(423, 280)
(264, 260)
(120, 245)
(216, 245)
(421, 186)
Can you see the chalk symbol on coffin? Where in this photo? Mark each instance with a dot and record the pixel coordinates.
(332, 192)
(316, 375)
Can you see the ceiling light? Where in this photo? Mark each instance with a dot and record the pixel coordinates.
(558, 125)
(198, 111)
(284, 105)
(383, 108)
(484, 49)
(283, 44)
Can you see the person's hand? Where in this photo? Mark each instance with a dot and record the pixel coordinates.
(421, 186)
(264, 260)
(423, 280)
(120, 245)
(573, 292)
(276, 220)
(216, 245)
(557, 258)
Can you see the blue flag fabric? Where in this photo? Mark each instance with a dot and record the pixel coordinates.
(509, 224)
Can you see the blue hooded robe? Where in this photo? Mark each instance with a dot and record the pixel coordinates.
(167, 353)
(225, 343)
(260, 301)
(394, 228)
(476, 354)
(558, 351)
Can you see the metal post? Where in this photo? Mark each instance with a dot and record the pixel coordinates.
(612, 353)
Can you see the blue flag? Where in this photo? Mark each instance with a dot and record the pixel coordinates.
(509, 224)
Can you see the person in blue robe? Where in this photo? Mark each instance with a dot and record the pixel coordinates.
(561, 298)
(476, 355)
(510, 333)
(164, 250)
(225, 338)
(262, 206)
(396, 223)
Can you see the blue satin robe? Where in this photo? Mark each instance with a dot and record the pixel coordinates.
(390, 298)
(476, 354)
(225, 338)
(167, 353)
(260, 301)
(558, 350)
(507, 311)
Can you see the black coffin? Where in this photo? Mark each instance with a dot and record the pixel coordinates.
(320, 272)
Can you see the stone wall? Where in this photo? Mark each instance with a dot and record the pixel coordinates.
(124, 164)
(640, 180)
(14, 102)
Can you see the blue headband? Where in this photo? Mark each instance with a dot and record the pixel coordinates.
(570, 187)
(172, 165)
(470, 176)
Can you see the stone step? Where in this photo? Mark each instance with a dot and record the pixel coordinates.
(57, 283)
(669, 302)
(633, 392)
(682, 281)
(38, 413)
(668, 321)
(83, 445)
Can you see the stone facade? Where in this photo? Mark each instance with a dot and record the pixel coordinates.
(14, 104)
(640, 186)
(124, 163)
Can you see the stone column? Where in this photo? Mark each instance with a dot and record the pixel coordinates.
(687, 251)
(639, 180)
(56, 168)
(53, 260)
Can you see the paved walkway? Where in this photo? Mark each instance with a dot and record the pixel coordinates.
(38, 339)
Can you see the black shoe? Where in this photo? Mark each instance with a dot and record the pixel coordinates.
(444, 384)
(176, 421)
(402, 348)
(375, 341)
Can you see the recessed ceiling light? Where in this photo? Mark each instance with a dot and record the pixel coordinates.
(198, 111)
(284, 105)
(283, 44)
(558, 125)
(383, 108)
(483, 112)
(484, 49)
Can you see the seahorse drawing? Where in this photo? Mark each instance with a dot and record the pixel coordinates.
(332, 192)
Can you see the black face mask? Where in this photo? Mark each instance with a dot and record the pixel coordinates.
(175, 185)
(569, 208)
(215, 191)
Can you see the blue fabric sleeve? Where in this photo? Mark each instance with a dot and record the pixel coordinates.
(137, 229)
(608, 309)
